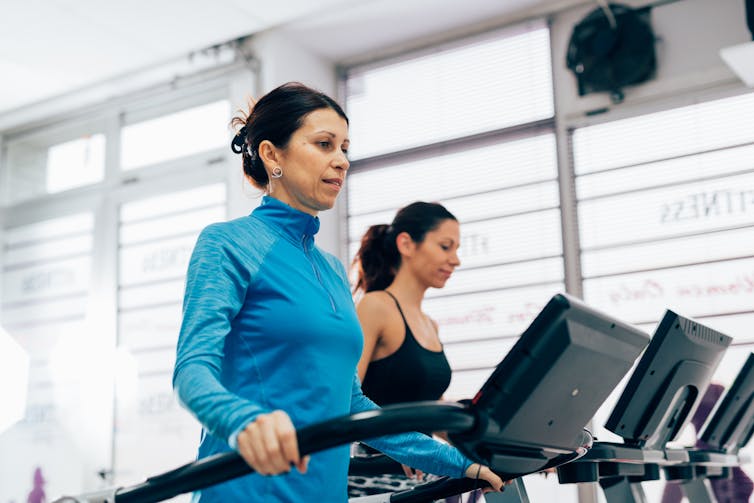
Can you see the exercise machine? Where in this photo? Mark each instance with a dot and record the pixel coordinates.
(658, 401)
(528, 416)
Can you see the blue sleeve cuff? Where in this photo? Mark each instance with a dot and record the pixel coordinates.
(233, 438)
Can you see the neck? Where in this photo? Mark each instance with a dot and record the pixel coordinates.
(407, 289)
(282, 197)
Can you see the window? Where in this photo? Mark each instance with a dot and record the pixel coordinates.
(156, 238)
(53, 161)
(666, 217)
(99, 217)
(179, 134)
(88, 154)
(46, 309)
(469, 125)
(669, 224)
(483, 84)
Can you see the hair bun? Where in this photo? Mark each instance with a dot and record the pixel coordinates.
(238, 141)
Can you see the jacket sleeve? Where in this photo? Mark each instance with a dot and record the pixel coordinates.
(414, 449)
(216, 286)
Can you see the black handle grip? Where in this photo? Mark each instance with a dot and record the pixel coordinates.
(418, 416)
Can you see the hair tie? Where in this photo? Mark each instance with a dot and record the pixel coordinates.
(238, 141)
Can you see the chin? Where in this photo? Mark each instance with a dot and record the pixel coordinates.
(320, 204)
(327, 204)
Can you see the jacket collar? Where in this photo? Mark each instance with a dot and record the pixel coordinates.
(291, 223)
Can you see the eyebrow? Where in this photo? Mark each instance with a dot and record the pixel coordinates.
(332, 135)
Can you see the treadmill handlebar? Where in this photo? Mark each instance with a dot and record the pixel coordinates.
(417, 416)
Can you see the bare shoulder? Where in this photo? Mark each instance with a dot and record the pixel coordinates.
(374, 315)
(380, 320)
(376, 303)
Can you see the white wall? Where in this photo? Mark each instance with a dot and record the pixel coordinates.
(690, 35)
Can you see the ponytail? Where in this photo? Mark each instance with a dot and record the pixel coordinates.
(377, 259)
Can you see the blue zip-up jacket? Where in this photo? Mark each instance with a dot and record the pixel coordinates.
(269, 323)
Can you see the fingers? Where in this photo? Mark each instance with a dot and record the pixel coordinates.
(269, 444)
(411, 473)
(286, 436)
(408, 471)
(304, 464)
(492, 478)
(482, 472)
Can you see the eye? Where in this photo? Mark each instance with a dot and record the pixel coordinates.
(324, 144)
(445, 247)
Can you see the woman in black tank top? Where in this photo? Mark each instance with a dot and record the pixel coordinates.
(409, 374)
(403, 359)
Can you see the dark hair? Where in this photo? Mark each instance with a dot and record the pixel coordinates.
(378, 259)
(275, 117)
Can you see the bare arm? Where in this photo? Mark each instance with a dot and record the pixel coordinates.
(371, 312)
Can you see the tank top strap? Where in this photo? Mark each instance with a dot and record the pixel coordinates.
(399, 307)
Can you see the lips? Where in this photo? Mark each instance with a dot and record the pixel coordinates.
(334, 181)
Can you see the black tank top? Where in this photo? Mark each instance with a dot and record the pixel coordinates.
(410, 374)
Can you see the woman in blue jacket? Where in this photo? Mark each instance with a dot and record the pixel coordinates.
(270, 339)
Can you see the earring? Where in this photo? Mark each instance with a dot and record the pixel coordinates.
(277, 172)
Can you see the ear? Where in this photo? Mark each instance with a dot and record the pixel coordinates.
(269, 154)
(405, 244)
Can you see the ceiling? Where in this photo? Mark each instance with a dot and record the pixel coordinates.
(52, 47)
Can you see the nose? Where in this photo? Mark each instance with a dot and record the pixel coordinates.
(341, 161)
(455, 261)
